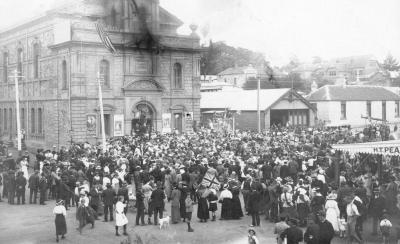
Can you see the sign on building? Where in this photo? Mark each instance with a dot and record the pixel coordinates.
(118, 124)
(166, 123)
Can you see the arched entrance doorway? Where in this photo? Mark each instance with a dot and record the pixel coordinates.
(143, 118)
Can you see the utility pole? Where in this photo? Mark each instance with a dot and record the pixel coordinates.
(258, 105)
(103, 131)
(16, 77)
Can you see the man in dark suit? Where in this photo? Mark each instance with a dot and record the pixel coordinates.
(11, 186)
(293, 234)
(157, 201)
(108, 200)
(20, 183)
(253, 206)
(43, 188)
(33, 186)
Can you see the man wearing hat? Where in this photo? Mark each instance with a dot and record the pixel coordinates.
(157, 202)
(33, 186)
(20, 183)
(108, 200)
(293, 234)
(326, 231)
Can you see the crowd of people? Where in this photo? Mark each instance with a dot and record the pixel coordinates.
(290, 177)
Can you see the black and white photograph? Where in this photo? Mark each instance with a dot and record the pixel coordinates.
(199, 121)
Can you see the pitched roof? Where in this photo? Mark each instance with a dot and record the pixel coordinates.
(243, 100)
(353, 61)
(168, 18)
(236, 70)
(352, 93)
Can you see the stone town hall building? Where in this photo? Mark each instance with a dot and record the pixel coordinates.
(151, 82)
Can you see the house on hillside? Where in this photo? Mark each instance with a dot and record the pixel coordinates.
(277, 106)
(354, 105)
(237, 76)
(361, 70)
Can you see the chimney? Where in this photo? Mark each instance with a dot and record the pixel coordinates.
(314, 86)
(152, 10)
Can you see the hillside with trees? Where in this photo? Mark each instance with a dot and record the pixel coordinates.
(219, 56)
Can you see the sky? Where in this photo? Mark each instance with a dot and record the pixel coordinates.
(280, 29)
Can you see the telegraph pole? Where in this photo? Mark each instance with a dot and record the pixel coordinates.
(16, 77)
(103, 131)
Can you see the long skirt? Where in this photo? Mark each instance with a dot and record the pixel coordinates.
(202, 209)
(91, 215)
(226, 208)
(302, 210)
(61, 225)
(333, 218)
(175, 214)
(237, 212)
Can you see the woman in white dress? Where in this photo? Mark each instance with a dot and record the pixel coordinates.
(120, 218)
(24, 167)
(332, 211)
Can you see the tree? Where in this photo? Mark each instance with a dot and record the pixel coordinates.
(219, 56)
(390, 63)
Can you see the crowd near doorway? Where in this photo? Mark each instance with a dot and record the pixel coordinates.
(142, 123)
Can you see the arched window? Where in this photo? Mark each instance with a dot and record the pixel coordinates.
(177, 75)
(40, 121)
(113, 17)
(19, 62)
(105, 72)
(33, 124)
(5, 67)
(36, 61)
(64, 74)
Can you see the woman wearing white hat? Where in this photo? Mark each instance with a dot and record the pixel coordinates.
(225, 198)
(120, 218)
(332, 211)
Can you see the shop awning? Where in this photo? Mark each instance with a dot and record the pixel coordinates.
(382, 148)
(213, 112)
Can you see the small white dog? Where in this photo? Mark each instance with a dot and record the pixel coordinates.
(164, 222)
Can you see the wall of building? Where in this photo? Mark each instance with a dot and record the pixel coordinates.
(331, 112)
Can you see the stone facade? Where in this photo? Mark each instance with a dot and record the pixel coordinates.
(60, 56)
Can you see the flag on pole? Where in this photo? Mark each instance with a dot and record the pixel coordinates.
(105, 39)
(211, 181)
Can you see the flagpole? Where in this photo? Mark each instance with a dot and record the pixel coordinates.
(258, 105)
(17, 111)
(103, 133)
